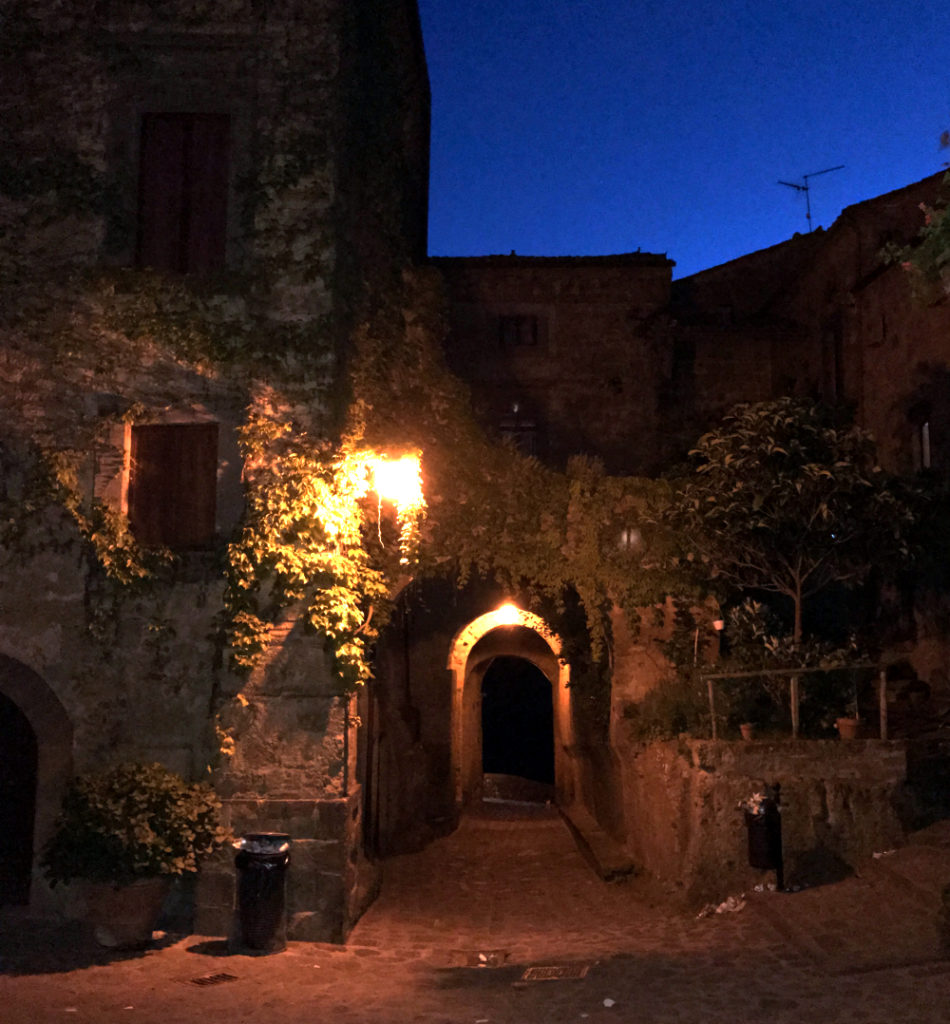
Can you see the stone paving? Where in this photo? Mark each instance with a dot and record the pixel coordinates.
(514, 892)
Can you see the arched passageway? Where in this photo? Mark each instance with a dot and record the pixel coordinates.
(517, 720)
(511, 692)
(36, 760)
(18, 764)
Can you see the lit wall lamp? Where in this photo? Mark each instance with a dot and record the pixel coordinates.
(399, 481)
(508, 615)
(718, 625)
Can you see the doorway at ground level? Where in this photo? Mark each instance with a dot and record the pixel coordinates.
(18, 764)
(517, 721)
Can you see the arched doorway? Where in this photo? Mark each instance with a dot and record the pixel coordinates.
(18, 768)
(517, 721)
(503, 638)
(36, 761)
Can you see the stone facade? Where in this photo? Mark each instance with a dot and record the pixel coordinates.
(605, 356)
(565, 355)
(303, 128)
(828, 315)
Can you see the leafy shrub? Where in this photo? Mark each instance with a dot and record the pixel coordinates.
(678, 704)
(132, 821)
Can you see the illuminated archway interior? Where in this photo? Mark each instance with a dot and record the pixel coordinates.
(508, 632)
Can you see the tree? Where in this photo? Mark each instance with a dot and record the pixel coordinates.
(786, 498)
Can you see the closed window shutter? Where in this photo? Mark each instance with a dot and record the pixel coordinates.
(206, 192)
(161, 200)
(183, 188)
(173, 483)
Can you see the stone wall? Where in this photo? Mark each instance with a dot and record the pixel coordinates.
(330, 882)
(682, 824)
(823, 315)
(591, 379)
(327, 107)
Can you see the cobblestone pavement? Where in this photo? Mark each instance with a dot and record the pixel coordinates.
(511, 894)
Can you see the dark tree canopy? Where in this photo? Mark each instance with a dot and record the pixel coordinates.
(787, 498)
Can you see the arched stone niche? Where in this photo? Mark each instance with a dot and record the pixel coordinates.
(54, 741)
(511, 631)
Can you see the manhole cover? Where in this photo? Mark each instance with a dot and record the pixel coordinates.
(556, 973)
(213, 979)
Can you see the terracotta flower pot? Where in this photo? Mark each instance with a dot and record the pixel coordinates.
(748, 730)
(124, 915)
(848, 728)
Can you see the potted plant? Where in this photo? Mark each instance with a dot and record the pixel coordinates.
(126, 832)
(849, 724)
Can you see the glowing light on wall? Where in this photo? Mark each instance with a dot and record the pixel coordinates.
(399, 481)
(507, 615)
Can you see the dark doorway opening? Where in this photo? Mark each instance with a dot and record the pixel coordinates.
(517, 721)
(18, 764)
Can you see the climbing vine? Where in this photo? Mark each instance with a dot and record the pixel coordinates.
(332, 401)
(313, 538)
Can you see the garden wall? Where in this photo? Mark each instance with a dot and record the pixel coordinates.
(682, 822)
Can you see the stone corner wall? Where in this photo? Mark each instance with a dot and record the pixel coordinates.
(682, 822)
(329, 882)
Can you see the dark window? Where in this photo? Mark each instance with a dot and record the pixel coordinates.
(183, 189)
(920, 415)
(518, 331)
(923, 458)
(172, 484)
(520, 427)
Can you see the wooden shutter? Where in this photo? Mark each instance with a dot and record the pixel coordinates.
(206, 192)
(173, 483)
(183, 187)
(161, 206)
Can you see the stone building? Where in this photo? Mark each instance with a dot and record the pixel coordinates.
(828, 315)
(197, 202)
(606, 355)
(565, 354)
(191, 239)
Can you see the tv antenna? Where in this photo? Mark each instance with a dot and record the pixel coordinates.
(805, 187)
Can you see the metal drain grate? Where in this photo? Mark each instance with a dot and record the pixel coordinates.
(556, 973)
(213, 979)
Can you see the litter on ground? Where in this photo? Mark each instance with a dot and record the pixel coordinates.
(731, 905)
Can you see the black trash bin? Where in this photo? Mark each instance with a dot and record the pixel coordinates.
(261, 862)
(764, 825)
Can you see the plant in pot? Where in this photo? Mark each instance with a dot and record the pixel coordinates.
(748, 707)
(849, 723)
(125, 833)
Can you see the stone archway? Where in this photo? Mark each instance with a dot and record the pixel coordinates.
(17, 803)
(35, 716)
(507, 631)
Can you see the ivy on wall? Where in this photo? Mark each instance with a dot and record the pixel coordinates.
(324, 394)
(312, 538)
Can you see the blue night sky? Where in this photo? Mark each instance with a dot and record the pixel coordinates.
(600, 126)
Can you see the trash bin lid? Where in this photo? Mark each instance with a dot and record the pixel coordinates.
(263, 842)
